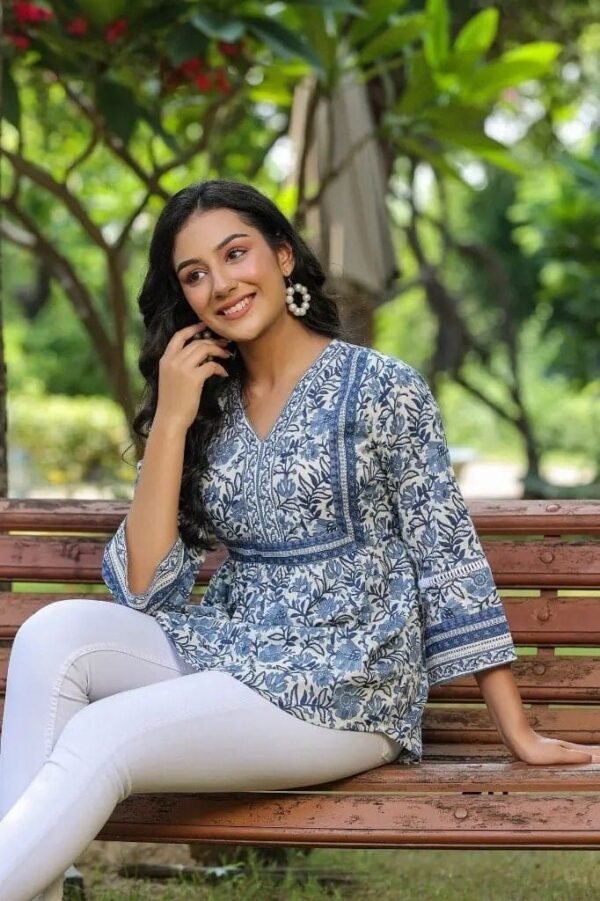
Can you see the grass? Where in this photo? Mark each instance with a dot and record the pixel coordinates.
(381, 875)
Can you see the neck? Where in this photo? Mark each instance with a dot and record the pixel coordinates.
(279, 356)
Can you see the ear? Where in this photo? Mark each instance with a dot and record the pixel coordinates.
(285, 257)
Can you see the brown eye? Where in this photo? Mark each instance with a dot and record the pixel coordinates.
(192, 277)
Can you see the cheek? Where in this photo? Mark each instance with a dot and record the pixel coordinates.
(197, 297)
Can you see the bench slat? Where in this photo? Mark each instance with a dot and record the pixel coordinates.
(551, 620)
(551, 679)
(531, 517)
(565, 679)
(537, 564)
(446, 724)
(547, 620)
(544, 563)
(361, 821)
(68, 559)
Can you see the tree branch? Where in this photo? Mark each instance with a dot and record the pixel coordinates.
(276, 136)
(85, 153)
(45, 180)
(125, 231)
(199, 146)
(309, 126)
(117, 146)
(31, 238)
(461, 380)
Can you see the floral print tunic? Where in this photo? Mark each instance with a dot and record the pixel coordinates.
(355, 578)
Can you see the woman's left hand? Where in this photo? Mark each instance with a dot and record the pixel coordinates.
(537, 749)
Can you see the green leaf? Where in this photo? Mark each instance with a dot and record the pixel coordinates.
(185, 42)
(421, 90)
(436, 41)
(541, 52)
(11, 104)
(218, 26)
(486, 83)
(281, 40)
(160, 17)
(377, 12)
(103, 13)
(117, 104)
(471, 118)
(478, 34)
(407, 30)
(478, 143)
(336, 6)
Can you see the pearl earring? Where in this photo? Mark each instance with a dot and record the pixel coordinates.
(290, 299)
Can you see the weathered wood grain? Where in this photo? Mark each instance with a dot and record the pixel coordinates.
(513, 517)
(427, 820)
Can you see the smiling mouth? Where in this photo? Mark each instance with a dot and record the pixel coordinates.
(239, 308)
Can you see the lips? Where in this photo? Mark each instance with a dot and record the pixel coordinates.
(229, 306)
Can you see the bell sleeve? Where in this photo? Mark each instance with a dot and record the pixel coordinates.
(464, 624)
(173, 580)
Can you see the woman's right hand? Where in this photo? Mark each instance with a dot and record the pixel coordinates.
(183, 370)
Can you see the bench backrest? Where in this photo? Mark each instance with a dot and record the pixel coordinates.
(546, 562)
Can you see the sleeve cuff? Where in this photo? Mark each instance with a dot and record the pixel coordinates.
(466, 644)
(171, 584)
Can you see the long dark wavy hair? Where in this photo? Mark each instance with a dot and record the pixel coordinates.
(165, 310)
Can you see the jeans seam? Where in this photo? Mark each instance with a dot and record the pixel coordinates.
(68, 663)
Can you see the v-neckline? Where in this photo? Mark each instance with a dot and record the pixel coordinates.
(291, 396)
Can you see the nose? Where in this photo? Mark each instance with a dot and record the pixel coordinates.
(223, 284)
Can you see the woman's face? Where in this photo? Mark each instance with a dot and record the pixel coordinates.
(220, 261)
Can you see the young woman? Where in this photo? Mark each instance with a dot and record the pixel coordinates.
(354, 581)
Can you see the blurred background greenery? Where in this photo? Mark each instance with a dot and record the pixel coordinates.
(484, 170)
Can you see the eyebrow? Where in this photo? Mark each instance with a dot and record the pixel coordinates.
(219, 246)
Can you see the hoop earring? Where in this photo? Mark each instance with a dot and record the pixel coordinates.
(290, 291)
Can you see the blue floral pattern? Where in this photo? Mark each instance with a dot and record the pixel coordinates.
(355, 579)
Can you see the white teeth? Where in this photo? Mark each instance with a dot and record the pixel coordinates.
(239, 306)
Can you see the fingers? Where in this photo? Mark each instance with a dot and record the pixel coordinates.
(181, 336)
(570, 756)
(204, 349)
(212, 368)
(592, 749)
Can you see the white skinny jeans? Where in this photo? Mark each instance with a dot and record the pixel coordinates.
(155, 724)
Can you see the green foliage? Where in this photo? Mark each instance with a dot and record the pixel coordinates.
(557, 217)
(71, 439)
(436, 41)
(389, 42)
(477, 35)
(148, 95)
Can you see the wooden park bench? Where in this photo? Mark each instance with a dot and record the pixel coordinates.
(468, 791)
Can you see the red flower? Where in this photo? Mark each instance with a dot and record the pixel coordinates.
(203, 82)
(27, 13)
(20, 41)
(231, 49)
(116, 30)
(223, 83)
(78, 27)
(191, 67)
